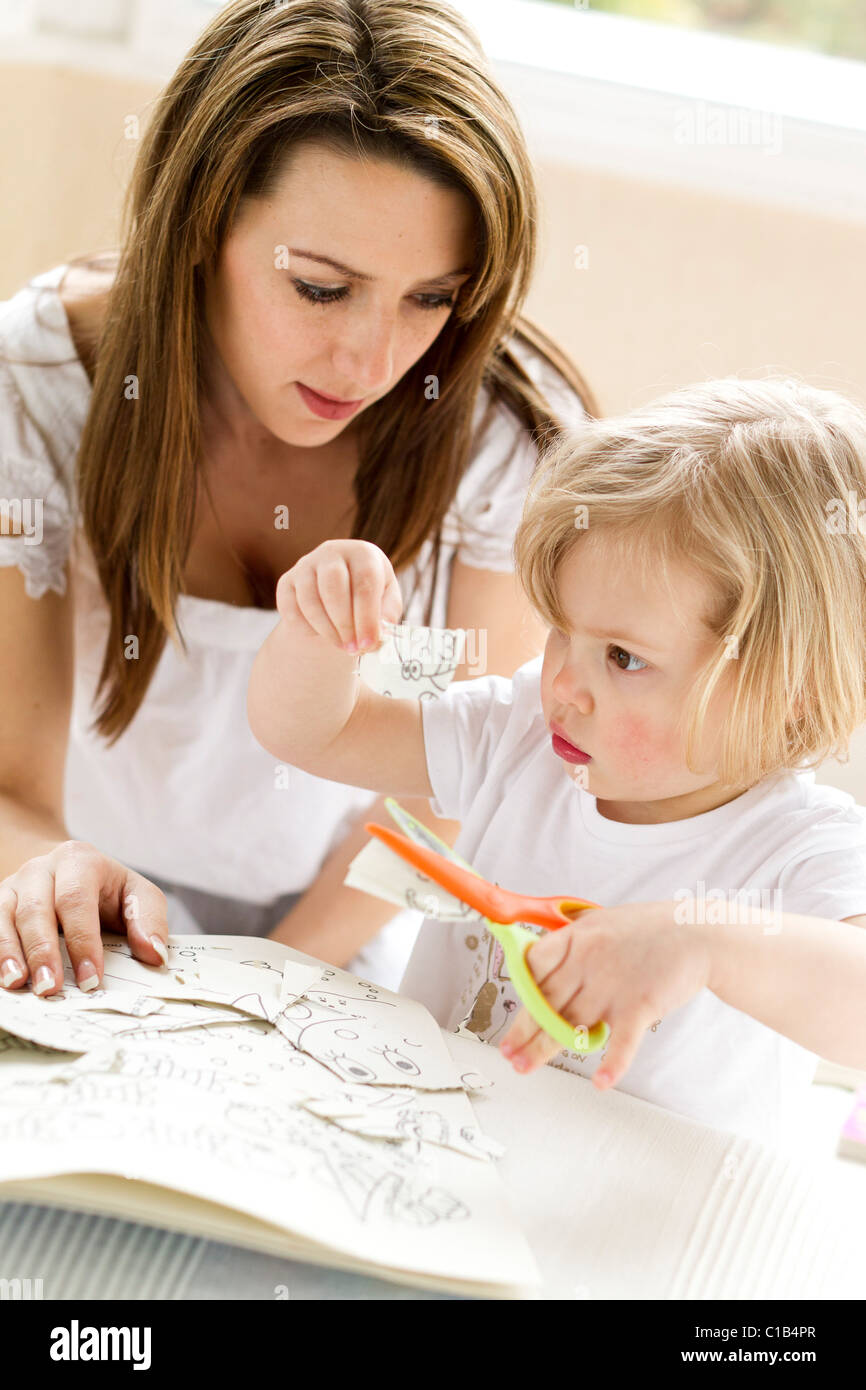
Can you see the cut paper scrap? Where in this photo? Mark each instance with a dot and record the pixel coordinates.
(403, 1119)
(376, 869)
(297, 979)
(80, 1029)
(361, 1052)
(204, 980)
(204, 993)
(351, 1027)
(413, 662)
(135, 1005)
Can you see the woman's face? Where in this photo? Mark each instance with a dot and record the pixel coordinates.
(283, 319)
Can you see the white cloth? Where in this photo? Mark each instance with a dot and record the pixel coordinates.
(187, 794)
(529, 827)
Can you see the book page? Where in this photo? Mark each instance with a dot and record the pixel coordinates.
(249, 1075)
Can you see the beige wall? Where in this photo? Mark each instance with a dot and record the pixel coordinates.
(679, 285)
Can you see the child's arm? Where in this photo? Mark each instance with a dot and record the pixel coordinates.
(306, 702)
(804, 977)
(634, 963)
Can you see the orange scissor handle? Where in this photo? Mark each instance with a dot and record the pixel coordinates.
(498, 904)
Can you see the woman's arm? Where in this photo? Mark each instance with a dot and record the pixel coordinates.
(332, 921)
(46, 878)
(36, 638)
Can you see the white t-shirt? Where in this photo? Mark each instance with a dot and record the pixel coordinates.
(529, 827)
(187, 794)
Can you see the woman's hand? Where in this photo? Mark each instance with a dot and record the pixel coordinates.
(80, 889)
(342, 590)
(629, 965)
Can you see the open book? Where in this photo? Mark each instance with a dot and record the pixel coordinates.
(250, 1094)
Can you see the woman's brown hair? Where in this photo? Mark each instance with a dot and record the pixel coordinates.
(404, 80)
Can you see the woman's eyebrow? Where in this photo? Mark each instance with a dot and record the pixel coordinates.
(360, 274)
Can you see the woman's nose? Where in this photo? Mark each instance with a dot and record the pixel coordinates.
(366, 354)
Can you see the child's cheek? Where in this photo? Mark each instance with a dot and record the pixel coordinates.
(642, 747)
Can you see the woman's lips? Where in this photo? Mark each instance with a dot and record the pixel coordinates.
(325, 408)
(567, 751)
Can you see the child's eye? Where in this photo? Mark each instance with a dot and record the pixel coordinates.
(318, 294)
(629, 657)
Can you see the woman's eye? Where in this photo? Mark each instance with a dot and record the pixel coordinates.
(435, 301)
(318, 294)
(629, 657)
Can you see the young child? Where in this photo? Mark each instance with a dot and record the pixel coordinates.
(701, 563)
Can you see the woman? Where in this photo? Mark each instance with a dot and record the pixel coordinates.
(332, 199)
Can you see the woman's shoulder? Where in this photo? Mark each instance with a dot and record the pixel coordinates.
(502, 439)
(44, 395)
(565, 400)
(83, 294)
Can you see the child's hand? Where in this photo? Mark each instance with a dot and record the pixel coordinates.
(342, 590)
(629, 965)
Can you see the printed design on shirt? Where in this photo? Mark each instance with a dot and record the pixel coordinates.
(491, 1004)
(495, 1002)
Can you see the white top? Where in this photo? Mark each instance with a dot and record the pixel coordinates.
(529, 827)
(187, 793)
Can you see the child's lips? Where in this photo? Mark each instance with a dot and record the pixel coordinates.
(566, 750)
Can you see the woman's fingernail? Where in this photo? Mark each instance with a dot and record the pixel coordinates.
(44, 980)
(522, 1064)
(11, 972)
(159, 946)
(507, 1049)
(88, 979)
(351, 646)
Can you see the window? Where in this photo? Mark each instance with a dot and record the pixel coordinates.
(835, 27)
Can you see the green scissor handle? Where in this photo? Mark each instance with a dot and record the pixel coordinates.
(516, 941)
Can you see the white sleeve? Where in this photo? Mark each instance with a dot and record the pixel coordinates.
(461, 732)
(829, 883)
(490, 497)
(36, 514)
(489, 500)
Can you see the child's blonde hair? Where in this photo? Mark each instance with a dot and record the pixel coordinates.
(760, 486)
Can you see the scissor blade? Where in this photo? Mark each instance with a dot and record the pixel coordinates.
(422, 834)
(467, 885)
(378, 870)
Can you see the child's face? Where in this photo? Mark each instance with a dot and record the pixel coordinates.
(617, 693)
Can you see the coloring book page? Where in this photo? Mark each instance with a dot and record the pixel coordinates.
(276, 1086)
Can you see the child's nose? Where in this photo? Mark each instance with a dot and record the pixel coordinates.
(572, 688)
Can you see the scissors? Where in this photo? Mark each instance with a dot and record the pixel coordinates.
(501, 912)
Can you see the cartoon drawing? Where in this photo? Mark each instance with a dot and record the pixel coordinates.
(346, 1095)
